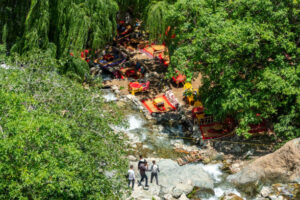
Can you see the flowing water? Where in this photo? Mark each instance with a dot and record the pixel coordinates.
(221, 187)
(156, 138)
(108, 96)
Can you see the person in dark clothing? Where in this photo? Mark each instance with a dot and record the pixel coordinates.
(143, 168)
(142, 160)
(154, 171)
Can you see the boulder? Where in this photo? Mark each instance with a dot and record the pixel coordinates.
(174, 176)
(265, 191)
(281, 166)
(180, 189)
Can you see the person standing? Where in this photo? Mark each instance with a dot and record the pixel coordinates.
(131, 176)
(143, 168)
(154, 171)
(141, 161)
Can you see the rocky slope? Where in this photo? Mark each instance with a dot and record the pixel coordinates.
(281, 166)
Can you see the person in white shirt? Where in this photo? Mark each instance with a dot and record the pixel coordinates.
(154, 171)
(131, 176)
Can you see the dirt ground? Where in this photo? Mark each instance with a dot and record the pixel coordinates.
(157, 71)
(178, 91)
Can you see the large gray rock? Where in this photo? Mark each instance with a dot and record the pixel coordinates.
(177, 180)
(281, 166)
(174, 180)
(180, 189)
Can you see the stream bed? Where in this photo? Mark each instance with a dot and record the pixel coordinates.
(157, 141)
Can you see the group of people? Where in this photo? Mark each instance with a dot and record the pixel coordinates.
(143, 168)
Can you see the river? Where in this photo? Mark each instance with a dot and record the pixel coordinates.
(158, 140)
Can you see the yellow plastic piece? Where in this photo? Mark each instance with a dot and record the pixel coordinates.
(200, 116)
(198, 104)
(188, 86)
(157, 101)
(190, 99)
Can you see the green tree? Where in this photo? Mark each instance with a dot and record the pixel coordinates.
(248, 54)
(56, 142)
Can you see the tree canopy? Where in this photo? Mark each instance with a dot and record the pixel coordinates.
(248, 54)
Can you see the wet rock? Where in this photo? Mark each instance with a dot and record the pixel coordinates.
(226, 166)
(281, 166)
(231, 196)
(218, 157)
(265, 191)
(236, 167)
(206, 160)
(183, 197)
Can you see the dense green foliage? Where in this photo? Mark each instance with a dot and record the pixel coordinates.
(248, 53)
(56, 142)
(64, 26)
(59, 27)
